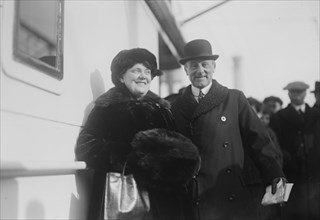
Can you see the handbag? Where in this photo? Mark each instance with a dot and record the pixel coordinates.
(124, 199)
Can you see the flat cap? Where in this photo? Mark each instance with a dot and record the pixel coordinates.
(297, 85)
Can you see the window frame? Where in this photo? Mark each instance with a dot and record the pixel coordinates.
(55, 72)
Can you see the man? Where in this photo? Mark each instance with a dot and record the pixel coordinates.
(225, 128)
(272, 104)
(297, 129)
(317, 95)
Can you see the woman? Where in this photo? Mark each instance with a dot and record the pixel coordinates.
(119, 114)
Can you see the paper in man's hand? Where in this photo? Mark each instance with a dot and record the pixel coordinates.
(281, 195)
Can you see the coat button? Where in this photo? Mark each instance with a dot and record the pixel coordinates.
(225, 144)
(223, 118)
(228, 171)
(231, 198)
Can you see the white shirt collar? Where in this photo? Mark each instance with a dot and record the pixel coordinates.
(299, 107)
(205, 90)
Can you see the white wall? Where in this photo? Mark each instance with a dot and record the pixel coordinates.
(41, 127)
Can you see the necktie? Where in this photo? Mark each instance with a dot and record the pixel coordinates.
(300, 113)
(201, 95)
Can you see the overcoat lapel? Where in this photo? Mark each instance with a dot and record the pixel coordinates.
(214, 97)
(187, 104)
(309, 117)
(291, 113)
(191, 109)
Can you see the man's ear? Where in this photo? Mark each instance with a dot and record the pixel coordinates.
(121, 79)
(185, 69)
(214, 63)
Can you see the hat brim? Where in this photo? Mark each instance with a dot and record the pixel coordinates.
(208, 57)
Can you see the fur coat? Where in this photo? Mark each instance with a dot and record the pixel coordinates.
(123, 129)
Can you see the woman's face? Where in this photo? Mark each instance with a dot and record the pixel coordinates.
(137, 79)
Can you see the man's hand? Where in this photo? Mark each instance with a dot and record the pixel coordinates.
(274, 183)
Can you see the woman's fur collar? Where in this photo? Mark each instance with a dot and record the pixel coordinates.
(122, 94)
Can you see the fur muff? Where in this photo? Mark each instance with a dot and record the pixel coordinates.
(163, 160)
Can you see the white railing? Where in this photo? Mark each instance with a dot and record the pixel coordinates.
(10, 169)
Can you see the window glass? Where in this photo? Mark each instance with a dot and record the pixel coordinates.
(38, 39)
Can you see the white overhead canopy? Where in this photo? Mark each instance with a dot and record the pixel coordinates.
(276, 42)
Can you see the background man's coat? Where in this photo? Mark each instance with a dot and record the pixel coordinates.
(299, 138)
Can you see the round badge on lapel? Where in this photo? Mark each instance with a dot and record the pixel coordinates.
(223, 118)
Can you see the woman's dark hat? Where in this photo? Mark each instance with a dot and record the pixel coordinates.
(126, 59)
(316, 87)
(198, 49)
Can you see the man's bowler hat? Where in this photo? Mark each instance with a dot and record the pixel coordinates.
(197, 49)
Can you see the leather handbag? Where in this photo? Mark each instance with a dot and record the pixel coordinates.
(124, 199)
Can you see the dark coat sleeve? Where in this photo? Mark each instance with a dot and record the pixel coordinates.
(257, 142)
(90, 143)
(103, 142)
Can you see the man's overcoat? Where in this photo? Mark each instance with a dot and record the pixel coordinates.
(225, 129)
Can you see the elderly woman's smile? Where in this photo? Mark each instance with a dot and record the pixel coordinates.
(137, 79)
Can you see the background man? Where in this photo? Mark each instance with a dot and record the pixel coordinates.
(297, 129)
(272, 104)
(317, 95)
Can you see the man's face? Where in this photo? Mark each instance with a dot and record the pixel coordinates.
(200, 72)
(297, 96)
(265, 119)
(273, 106)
